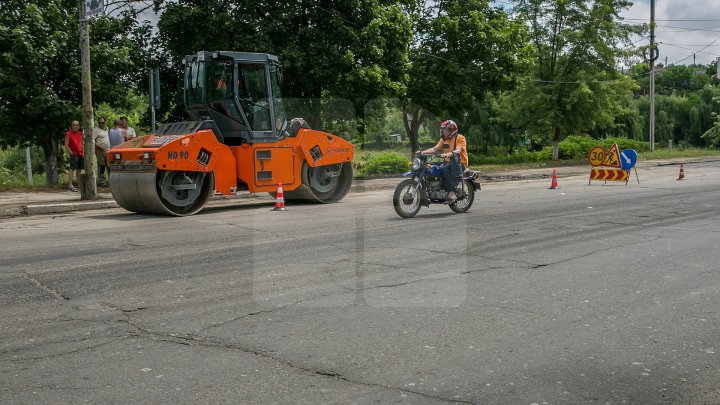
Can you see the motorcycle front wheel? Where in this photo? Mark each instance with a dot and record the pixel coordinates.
(463, 204)
(406, 200)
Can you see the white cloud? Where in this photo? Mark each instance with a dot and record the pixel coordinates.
(683, 28)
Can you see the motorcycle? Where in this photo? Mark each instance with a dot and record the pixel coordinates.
(424, 187)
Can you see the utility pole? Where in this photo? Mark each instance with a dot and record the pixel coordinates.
(88, 188)
(653, 55)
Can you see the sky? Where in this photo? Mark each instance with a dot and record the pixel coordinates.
(683, 28)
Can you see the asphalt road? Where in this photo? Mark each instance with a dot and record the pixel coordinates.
(601, 293)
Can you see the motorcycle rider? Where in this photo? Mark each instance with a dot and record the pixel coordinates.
(451, 142)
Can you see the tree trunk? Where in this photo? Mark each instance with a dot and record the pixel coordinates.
(361, 133)
(556, 144)
(50, 149)
(411, 120)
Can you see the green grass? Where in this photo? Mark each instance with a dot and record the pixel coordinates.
(13, 171)
(528, 165)
(678, 153)
(363, 157)
(18, 182)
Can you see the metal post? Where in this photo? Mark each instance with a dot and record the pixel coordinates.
(652, 108)
(29, 165)
(652, 58)
(154, 81)
(88, 189)
(151, 80)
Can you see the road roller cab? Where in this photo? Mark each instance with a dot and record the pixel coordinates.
(239, 139)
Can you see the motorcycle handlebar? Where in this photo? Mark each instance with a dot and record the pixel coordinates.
(438, 155)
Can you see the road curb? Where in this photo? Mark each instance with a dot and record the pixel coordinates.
(68, 207)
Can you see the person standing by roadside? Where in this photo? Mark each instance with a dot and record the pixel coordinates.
(102, 144)
(130, 131)
(117, 134)
(74, 147)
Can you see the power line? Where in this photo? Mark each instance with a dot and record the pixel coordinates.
(711, 29)
(666, 43)
(679, 29)
(337, 14)
(697, 51)
(466, 67)
(671, 20)
(641, 39)
(693, 50)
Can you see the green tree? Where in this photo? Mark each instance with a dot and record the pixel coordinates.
(680, 80)
(466, 49)
(40, 88)
(39, 75)
(355, 50)
(682, 119)
(574, 86)
(713, 73)
(641, 74)
(712, 135)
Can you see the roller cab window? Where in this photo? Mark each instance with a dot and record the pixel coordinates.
(252, 94)
(275, 82)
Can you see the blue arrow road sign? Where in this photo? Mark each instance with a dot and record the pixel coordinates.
(628, 158)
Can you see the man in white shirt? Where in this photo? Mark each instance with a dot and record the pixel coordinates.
(130, 131)
(102, 144)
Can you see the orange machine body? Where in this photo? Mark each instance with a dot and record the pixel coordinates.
(238, 138)
(255, 167)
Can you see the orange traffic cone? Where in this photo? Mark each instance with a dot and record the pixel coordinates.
(682, 173)
(279, 199)
(554, 184)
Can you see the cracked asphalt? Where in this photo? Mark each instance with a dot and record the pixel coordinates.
(601, 293)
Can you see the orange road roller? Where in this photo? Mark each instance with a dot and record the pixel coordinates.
(239, 139)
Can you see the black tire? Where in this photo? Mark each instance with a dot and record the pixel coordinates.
(182, 203)
(319, 187)
(406, 199)
(464, 204)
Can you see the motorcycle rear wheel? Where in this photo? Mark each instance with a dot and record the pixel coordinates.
(406, 199)
(464, 204)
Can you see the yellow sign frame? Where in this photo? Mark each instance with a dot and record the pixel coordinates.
(612, 157)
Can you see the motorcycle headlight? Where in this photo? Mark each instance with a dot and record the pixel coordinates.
(416, 164)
